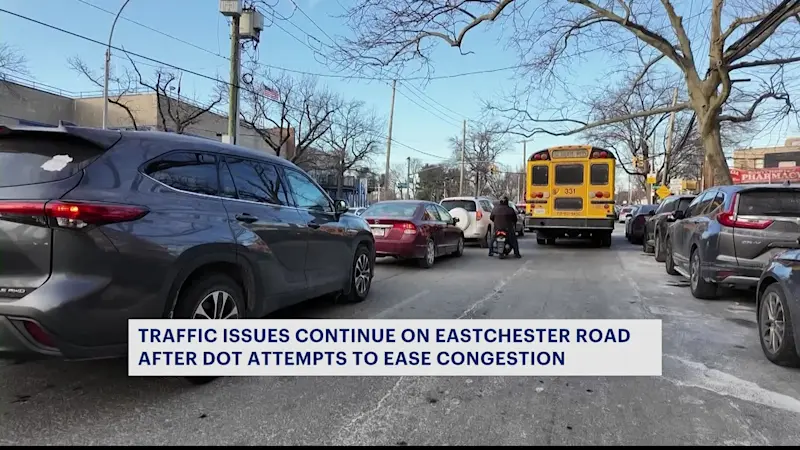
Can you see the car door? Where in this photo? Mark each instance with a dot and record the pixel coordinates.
(329, 255)
(689, 225)
(664, 210)
(267, 227)
(436, 227)
(682, 205)
(452, 231)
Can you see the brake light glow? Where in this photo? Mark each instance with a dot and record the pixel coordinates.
(70, 214)
(407, 227)
(598, 194)
(728, 218)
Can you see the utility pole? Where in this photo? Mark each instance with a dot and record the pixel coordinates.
(669, 138)
(463, 150)
(524, 170)
(233, 91)
(408, 178)
(386, 176)
(108, 65)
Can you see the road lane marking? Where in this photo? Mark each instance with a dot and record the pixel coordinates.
(703, 377)
(363, 420)
(493, 293)
(400, 304)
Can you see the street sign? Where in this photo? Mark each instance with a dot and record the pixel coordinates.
(663, 192)
(651, 178)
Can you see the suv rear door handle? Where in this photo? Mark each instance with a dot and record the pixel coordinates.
(246, 218)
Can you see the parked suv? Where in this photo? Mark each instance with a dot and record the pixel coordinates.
(473, 216)
(656, 226)
(730, 233)
(100, 226)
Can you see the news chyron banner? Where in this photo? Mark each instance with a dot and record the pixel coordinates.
(169, 347)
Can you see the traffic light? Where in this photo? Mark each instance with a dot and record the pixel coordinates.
(493, 169)
(636, 162)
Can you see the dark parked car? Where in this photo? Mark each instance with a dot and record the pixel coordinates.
(656, 226)
(730, 233)
(778, 302)
(634, 228)
(414, 229)
(100, 226)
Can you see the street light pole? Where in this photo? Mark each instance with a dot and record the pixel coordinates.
(108, 65)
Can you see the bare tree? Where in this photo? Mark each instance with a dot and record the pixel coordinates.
(123, 84)
(285, 111)
(11, 60)
(747, 37)
(352, 139)
(484, 145)
(176, 112)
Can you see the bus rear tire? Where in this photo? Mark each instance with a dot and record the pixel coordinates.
(605, 240)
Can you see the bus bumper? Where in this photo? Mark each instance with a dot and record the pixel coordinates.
(577, 224)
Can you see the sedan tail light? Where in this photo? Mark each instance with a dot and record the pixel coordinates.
(407, 227)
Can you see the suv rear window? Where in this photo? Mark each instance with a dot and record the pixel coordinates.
(771, 202)
(36, 159)
(450, 205)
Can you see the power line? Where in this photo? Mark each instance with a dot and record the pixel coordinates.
(85, 2)
(178, 68)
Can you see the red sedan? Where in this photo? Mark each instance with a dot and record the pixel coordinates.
(414, 229)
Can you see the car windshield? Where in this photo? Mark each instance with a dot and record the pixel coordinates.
(450, 205)
(403, 210)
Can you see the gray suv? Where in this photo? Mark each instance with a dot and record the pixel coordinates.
(101, 226)
(728, 234)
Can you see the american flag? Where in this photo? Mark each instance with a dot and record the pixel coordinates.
(270, 93)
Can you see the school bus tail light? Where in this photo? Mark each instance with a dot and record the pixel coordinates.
(600, 154)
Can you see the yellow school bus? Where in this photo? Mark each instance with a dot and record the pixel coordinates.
(570, 193)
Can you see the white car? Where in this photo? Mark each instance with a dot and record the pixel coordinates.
(473, 216)
(625, 213)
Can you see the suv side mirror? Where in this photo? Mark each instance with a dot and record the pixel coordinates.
(677, 215)
(341, 206)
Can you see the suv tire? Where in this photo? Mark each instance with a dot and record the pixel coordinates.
(207, 292)
(360, 276)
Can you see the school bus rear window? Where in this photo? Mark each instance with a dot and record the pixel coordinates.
(598, 174)
(569, 174)
(539, 176)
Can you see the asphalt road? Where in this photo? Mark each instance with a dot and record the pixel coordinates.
(717, 387)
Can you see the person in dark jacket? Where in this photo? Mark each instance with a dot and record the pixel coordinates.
(505, 218)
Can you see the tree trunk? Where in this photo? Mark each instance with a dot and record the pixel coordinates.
(339, 182)
(716, 171)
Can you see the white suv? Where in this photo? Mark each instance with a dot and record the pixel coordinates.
(473, 216)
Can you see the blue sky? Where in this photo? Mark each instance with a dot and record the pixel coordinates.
(426, 126)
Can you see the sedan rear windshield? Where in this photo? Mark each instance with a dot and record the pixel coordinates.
(770, 202)
(450, 205)
(35, 159)
(399, 210)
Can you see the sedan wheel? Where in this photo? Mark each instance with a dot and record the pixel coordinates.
(776, 329)
(430, 255)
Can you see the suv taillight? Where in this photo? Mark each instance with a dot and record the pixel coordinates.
(728, 218)
(75, 215)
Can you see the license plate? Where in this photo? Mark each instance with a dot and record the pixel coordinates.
(378, 232)
(501, 239)
(538, 211)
